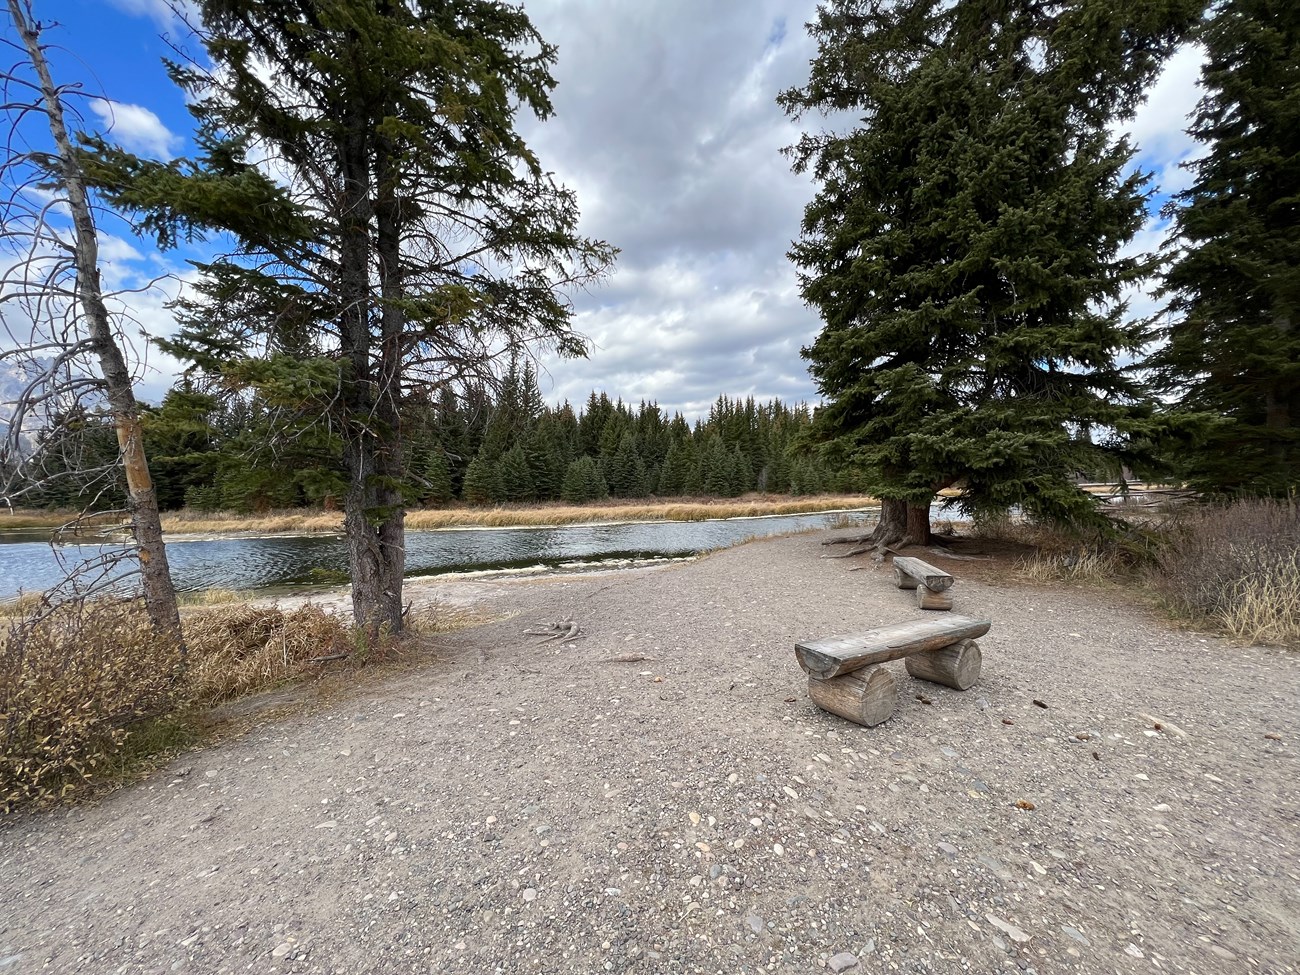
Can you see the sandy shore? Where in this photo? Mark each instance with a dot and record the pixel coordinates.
(510, 807)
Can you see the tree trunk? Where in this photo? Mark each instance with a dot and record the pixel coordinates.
(364, 517)
(374, 517)
(142, 501)
(901, 524)
(388, 413)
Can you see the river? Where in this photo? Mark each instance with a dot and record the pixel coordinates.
(29, 563)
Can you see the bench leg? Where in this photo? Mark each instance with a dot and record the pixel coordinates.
(956, 666)
(929, 599)
(903, 580)
(866, 697)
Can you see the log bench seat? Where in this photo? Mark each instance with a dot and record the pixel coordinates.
(845, 675)
(931, 584)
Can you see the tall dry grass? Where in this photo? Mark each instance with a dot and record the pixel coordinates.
(87, 689)
(510, 516)
(74, 678)
(1235, 566)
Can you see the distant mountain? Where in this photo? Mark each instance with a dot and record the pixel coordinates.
(15, 377)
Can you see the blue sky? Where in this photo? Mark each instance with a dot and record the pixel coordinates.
(667, 129)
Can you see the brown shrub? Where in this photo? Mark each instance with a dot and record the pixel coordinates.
(73, 678)
(1237, 567)
(237, 649)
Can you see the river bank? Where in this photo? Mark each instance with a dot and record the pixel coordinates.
(662, 795)
(318, 521)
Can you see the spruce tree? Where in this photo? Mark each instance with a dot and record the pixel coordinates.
(411, 233)
(963, 248)
(1233, 346)
(483, 481)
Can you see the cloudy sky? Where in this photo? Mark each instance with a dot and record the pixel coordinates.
(667, 128)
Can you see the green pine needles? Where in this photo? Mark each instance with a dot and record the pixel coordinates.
(965, 245)
(1233, 342)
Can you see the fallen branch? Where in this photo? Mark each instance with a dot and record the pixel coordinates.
(626, 658)
(565, 631)
(332, 656)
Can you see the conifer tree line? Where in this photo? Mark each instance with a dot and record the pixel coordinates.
(240, 454)
(968, 250)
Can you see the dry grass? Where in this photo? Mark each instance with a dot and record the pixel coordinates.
(238, 649)
(26, 519)
(73, 680)
(90, 695)
(1086, 566)
(1236, 567)
(210, 597)
(21, 607)
(306, 521)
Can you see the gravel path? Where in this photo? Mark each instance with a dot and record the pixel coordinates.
(521, 808)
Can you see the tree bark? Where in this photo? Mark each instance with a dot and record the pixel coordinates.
(142, 501)
(363, 516)
(901, 523)
(374, 513)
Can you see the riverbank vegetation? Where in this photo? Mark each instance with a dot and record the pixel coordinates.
(240, 454)
(312, 520)
(91, 694)
(1233, 568)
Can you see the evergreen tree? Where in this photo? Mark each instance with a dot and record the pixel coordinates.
(483, 481)
(516, 478)
(412, 232)
(435, 475)
(181, 442)
(1234, 346)
(963, 246)
(584, 482)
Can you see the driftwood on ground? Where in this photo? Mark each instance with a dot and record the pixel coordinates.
(565, 631)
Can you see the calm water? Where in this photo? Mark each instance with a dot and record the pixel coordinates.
(29, 563)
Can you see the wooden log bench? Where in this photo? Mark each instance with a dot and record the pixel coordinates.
(845, 675)
(931, 584)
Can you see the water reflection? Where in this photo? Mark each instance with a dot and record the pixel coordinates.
(28, 563)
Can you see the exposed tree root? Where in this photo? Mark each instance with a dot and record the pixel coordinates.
(565, 631)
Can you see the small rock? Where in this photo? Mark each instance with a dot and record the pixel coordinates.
(529, 894)
(842, 962)
(281, 950)
(1133, 950)
(1162, 807)
(1075, 933)
(996, 867)
(948, 850)
(694, 817)
(755, 923)
(1011, 931)
(778, 849)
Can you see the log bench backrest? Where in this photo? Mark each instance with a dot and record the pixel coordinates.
(842, 655)
(936, 580)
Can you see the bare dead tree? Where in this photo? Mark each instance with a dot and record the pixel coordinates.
(64, 346)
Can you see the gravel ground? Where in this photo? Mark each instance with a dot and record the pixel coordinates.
(522, 808)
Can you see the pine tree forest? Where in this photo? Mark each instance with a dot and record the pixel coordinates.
(241, 454)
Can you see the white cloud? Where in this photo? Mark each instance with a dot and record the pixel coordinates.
(161, 12)
(1159, 130)
(136, 128)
